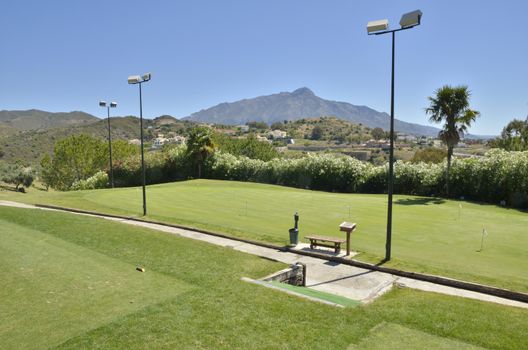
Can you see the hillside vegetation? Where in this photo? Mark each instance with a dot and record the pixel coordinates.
(326, 128)
(30, 145)
(35, 119)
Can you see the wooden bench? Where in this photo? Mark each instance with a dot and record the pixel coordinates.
(315, 241)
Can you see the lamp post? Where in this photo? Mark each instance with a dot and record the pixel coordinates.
(408, 21)
(136, 79)
(108, 106)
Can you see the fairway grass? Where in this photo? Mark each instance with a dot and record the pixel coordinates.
(65, 289)
(430, 235)
(192, 297)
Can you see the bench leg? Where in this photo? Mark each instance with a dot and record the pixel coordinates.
(311, 245)
(337, 248)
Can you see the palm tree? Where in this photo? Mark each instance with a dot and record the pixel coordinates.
(450, 105)
(200, 145)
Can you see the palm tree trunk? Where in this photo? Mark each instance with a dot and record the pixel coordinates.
(449, 156)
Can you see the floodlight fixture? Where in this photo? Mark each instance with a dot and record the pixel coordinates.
(102, 103)
(146, 76)
(376, 26)
(134, 79)
(411, 19)
(113, 104)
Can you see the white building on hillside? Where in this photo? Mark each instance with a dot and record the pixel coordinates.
(277, 134)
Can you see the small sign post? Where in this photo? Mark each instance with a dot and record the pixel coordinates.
(347, 227)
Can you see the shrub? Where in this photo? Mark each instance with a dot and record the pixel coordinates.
(127, 172)
(498, 176)
(429, 155)
(97, 181)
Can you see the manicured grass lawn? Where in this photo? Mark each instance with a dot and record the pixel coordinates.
(428, 235)
(68, 282)
(386, 335)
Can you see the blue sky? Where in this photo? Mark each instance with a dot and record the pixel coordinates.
(67, 55)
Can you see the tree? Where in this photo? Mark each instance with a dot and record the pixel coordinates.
(200, 145)
(450, 105)
(277, 126)
(17, 175)
(257, 125)
(378, 133)
(77, 157)
(122, 149)
(317, 133)
(514, 136)
(249, 147)
(47, 175)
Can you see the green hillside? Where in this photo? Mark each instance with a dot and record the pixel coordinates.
(331, 129)
(30, 145)
(34, 119)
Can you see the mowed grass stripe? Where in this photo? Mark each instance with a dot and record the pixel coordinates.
(53, 290)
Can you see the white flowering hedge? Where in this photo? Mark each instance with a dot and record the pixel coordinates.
(499, 176)
(98, 180)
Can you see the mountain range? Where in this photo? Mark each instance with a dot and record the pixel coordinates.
(299, 104)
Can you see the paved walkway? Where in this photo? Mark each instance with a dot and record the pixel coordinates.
(348, 281)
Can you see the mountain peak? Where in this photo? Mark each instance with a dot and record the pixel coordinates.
(303, 91)
(301, 103)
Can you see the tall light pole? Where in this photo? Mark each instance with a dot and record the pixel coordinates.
(136, 79)
(408, 21)
(108, 106)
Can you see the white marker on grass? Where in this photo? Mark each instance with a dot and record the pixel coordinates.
(484, 234)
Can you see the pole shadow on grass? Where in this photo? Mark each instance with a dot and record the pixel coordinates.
(419, 201)
(341, 278)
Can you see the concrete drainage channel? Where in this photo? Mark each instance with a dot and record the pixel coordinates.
(292, 280)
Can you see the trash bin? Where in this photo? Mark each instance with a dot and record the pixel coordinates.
(294, 236)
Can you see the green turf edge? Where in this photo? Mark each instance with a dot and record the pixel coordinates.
(312, 294)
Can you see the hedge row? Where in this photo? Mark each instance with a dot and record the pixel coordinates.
(499, 176)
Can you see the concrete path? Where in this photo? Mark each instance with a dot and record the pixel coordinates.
(348, 281)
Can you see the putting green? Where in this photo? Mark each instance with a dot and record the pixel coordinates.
(66, 290)
(430, 235)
